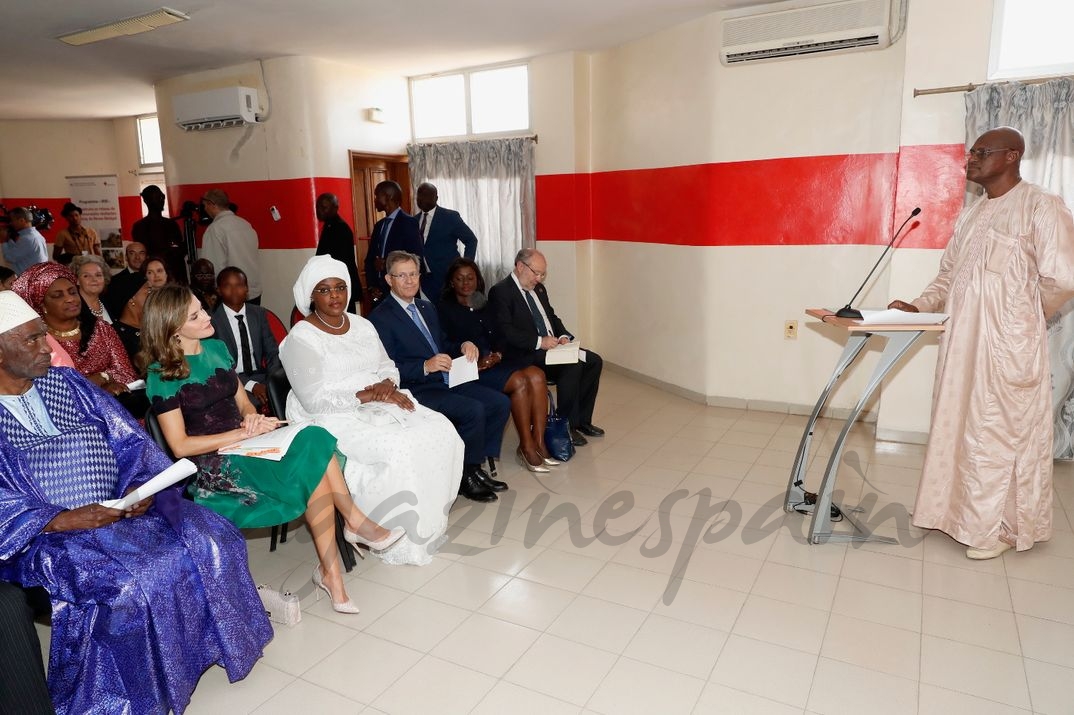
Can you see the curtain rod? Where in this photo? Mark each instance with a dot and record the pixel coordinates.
(971, 87)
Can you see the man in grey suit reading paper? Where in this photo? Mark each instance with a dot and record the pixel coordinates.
(528, 328)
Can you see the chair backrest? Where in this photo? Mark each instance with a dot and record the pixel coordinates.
(279, 330)
(152, 426)
(278, 387)
(296, 315)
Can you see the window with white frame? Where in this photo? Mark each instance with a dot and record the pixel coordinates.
(477, 102)
(149, 150)
(1031, 38)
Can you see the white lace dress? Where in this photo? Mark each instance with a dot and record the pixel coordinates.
(401, 466)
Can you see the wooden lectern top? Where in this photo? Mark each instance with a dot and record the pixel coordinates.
(853, 325)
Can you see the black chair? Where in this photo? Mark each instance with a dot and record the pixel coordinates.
(279, 387)
(152, 426)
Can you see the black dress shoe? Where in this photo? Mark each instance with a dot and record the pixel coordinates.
(577, 439)
(591, 430)
(474, 489)
(494, 484)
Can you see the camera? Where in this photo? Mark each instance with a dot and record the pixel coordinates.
(41, 219)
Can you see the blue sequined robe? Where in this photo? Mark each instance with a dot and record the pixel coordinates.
(140, 608)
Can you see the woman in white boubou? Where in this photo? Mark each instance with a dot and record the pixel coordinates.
(399, 454)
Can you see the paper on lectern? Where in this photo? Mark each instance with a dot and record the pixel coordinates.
(901, 317)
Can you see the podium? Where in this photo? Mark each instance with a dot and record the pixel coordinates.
(897, 341)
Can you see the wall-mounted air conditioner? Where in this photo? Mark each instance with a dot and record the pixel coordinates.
(216, 108)
(808, 27)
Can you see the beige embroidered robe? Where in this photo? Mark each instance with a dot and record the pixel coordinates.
(988, 466)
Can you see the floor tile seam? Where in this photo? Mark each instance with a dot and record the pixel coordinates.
(336, 691)
(510, 578)
(621, 657)
(329, 654)
(1039, 583)
(919, 592)
(522, 687)
(977, 694)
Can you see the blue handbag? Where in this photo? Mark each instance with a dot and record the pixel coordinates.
(557, 434)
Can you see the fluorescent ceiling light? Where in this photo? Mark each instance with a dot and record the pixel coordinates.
(129, 26)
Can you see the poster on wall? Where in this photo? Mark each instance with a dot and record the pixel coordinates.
(98, 197)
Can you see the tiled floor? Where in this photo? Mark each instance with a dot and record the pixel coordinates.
(521, 618)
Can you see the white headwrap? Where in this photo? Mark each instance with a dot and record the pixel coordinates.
(14, 311)
(316, 270)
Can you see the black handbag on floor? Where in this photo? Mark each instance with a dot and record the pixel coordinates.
(557, 434)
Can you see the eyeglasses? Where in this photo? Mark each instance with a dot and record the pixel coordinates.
(982, 153)
(540, 274)
(413, 275)
(335, 289)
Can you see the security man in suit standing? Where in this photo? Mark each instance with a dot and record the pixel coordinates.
(528, 327)
(337, 241)
(397, 231)
(244, 328)
(442, 230)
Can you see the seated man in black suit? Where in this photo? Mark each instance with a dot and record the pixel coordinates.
(245, 330)
(397, 231)
(528, 327)
(410, 330)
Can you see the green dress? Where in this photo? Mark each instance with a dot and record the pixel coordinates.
(248, 491)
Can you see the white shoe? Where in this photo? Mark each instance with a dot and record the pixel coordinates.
(347, 606)
(984, 554)
(394, 535)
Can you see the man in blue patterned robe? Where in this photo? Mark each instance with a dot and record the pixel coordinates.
(143, 600)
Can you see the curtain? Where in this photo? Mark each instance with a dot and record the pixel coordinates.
(491, 183)
(1044, 113)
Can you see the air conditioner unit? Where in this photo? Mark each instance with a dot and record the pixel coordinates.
(806, 27)
(216, 108)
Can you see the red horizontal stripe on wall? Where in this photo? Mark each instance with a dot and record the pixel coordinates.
(854, 199)
(934, 178)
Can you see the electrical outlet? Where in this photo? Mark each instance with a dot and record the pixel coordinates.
(790, 330)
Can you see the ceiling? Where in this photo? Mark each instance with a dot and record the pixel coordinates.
(46, 79)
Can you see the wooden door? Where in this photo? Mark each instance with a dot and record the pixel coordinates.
(368, 170)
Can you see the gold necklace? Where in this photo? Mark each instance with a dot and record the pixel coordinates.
(65, 333)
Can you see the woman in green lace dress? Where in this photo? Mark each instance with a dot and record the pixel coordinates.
(202, 407)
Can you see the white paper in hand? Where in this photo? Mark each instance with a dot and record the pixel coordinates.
(462, 371)
(175, 473)
(565, 354)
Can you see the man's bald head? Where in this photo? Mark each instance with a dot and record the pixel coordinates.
(993, 160)
(1008, 137)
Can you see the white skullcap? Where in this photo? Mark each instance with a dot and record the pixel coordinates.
(14, 311)
(316, 270)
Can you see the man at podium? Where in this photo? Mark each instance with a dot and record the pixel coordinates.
(987, 479)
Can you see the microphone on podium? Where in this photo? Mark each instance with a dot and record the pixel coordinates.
(849, 312)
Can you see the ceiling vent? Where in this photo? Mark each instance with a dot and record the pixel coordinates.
(806, 27)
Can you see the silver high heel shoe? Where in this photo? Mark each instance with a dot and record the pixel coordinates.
(539, 469)
(347, 606)
(548, 461)
(354, 539)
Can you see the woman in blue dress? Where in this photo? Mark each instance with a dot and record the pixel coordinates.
(463, 317)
